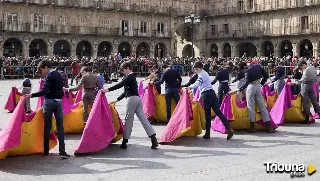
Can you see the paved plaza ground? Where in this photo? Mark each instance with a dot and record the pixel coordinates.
(192, 158)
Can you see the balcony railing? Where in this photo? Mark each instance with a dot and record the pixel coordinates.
(14, 27)
(261, 32)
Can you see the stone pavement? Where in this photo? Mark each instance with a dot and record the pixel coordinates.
(185, 159)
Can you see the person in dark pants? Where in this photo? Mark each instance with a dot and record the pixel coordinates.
(173, 83)
(192, 80)
(157, 77)
(53, 92)
(223, 77)
(278, 80)
(210, 100)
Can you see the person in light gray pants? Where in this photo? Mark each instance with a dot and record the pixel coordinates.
(134, 106)
(254, 95)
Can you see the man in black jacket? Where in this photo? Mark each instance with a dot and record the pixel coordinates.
(134, 106)
(223, 77)
(173, 83)
(53, 92)
(192, 80)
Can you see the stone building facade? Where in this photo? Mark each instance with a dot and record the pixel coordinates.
(156, 28)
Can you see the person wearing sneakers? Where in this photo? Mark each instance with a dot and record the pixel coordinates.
(134, 106)
(253, 76)
(210, 100)
(53, 92)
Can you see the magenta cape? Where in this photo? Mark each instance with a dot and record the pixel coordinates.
(180, 119)
(14, 134)
(99, 130)
(140, 89)
(269, 96)
(12, 99)
(227, 109)
(196, 96)
(40, 99)
(79, 95)
(148, 101)
(283, 103)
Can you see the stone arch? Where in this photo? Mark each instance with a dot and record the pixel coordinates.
(286, 48)
(124, 49)
(12, 47)
(38, 47)
(306, 48)
(84, 49)
(160, 50)
(142, 49)
(214, 50)
(226, 50)
(246, 49)
(267, 49)
(187, 51)
(62, 48)
(104, 49)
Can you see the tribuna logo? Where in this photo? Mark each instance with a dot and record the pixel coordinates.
(295, 170)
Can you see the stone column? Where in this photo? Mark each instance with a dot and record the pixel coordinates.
(295, 50)
(25, 50)
(233, 51)
(73, 51)
(50, 51)
(276, 50)
(220, 53)
(315, 49)
(94, 52)
(1, 49)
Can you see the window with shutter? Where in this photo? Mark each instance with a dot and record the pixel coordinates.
(5, 20)
(130, 28)
(148, 28)
(20, 19)
(166, 30)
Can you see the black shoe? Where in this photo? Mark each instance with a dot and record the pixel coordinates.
(28, 112)
(207, 137)
(154, 142)
(124, 144)
(230, 134)
(46, 155)
(252, 128)
(64, 155)
(10, 112)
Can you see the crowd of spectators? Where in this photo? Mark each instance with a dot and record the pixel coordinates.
(13, 67)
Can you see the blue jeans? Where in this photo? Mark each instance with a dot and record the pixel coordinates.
(51, 106)
(210, 101)
(171, 93)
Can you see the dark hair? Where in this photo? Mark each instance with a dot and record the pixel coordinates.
(126, 65)
(155, 67)
(164, 66)
(242, 66)
(302, 62)
(43, 64)
(95, 71)
(198, 65)
(85, 69)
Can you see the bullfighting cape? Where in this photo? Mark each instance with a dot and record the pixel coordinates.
(140, 89)
(187, 120)
(238, 116)
(99, 131)
(288, 108)
(13, 99)
(23, 134)
(157, 102)
(197, 97)
(72, 116)
(269, 96)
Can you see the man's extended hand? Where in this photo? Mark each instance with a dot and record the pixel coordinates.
(114, 102)
(65, 89)
(27, 95)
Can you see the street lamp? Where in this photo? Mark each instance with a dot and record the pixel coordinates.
(192, 20)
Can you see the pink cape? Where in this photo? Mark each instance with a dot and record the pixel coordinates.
(66, 105)
(265, 91)
(140, 89)
(72, 97)
(10, 135)
(180, 119)
(282, 104)
(40, 99)
(196, 96)
(148, 101)
(99, 130)
(79, 95)
(226, 109)
(11, 102)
